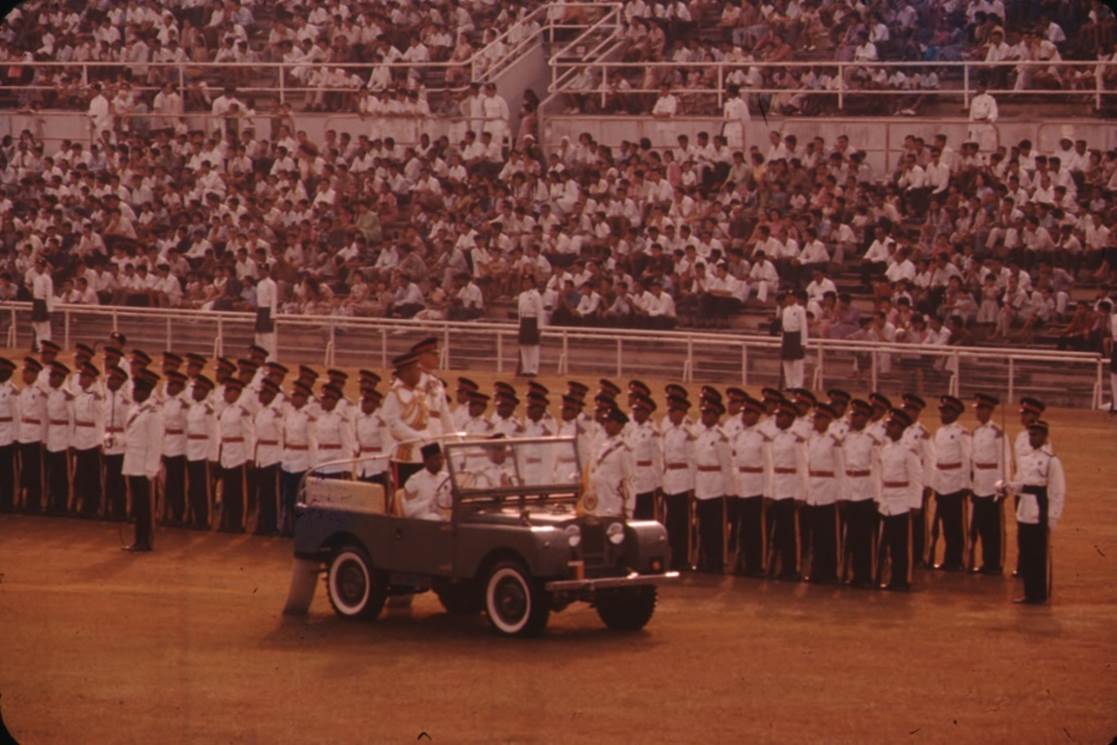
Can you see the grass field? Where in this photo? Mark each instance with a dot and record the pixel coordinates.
(188, 645)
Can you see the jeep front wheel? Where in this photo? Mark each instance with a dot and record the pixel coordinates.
(355, 588)
(516, 604)
(626, 610)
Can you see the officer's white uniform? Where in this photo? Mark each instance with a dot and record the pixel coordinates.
(427, 496)
(373, 445)
(610, 479)
(335, 440)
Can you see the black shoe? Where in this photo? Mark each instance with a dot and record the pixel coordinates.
(944, 567)
(1015, 572)
(862, 584)
(896, 587)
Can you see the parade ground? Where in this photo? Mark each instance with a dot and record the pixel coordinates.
(188, 644)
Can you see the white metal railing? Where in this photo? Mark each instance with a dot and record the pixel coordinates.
(843, 76)
(745, 358)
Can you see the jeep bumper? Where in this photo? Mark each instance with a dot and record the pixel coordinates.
(633, 579)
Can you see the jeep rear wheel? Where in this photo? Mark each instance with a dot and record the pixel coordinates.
(516, 604)
(626, 610)
(355, 588)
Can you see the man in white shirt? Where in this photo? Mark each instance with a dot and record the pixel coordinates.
(665, 109)
(495, 111)
(793, 325)
(267, 306)
(983, 119)
(427, 494)
(736, 115)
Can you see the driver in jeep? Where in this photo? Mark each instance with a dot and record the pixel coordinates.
(426, 495)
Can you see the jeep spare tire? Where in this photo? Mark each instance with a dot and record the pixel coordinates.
(516, 604)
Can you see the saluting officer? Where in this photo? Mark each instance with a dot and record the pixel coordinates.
(174, 445)
(9, 427)
(878, 419)
(952, 446)
(60, 428)
(505, 421)
(901, 477)
(788, 457)
(987, 524)
(464, 397)
(32, 406)
(750, 449)
(647, 457)
(334, 437)
(713, 468)
(201, 431)
(825, 468)
(426, 352)
(143, 431)
(568, 463)
(118, 405)
(195, 366)
(406, 411)
(298, 452)
(839, 402)
(1031, 409)
(859, 453)
(610, 471)
(89, 436)
(678, 479)
(1041, 485)
(234, 427)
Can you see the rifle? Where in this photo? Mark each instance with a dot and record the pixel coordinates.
(692, 530)
(932, 545)
(971, 533)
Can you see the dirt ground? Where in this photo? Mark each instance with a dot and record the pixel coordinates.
(188, 645)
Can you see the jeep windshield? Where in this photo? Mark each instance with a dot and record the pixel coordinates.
(527, 469)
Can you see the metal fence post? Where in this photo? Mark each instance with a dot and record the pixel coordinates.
(331, 348)
(744, 364)
(841, 87)
(170, 336)
(604, 86)
(66, 329)
(219, 342)
(282, 85)
(721, 84)
(965, 87)
(688, 369)
(873, 371)
(1011, 380)
(620, 357)
(564, 360)
(956, 376)
(383, 347)
(499, 352)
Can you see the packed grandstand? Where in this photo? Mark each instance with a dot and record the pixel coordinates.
(194, 166)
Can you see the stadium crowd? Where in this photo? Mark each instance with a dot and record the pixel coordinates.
(978, 242)
(787, 487)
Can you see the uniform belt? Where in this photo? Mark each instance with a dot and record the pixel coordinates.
(750, 469)
(858, 474)
(232, 439)
(59, 421)
(985, 466)
(566, 460)
(197, 437)
(643, 462)
(114, 429)
(4, 419)
(821, 474)
(329, 447)
(784, 470)
(533, 460)
(949, 466)
(295, 447)
(362, 451)
(267, 442)
(81, 424)
(709, 468)
(174, 431)
(435, 414)
(895, 484)
(676, 466)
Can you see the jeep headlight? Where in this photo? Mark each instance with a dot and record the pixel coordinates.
(573, 535)
(615, 532)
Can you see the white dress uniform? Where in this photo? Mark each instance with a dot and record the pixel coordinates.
(918, 439)
(678, 484)
(507, 426)
(428, 496)
(335, 440)
(529, 309)
(610, 476)
(9, 427)
(713, 465)
(118, 405)
(901, 475)
(438, 403)
(749, 449)
(860, 456)
(988, 460)
(201, 433)
(793, 324)
(825, 477)
(174, 456)
(950, 478)
(373, 445)
(267, 299)
(234, 425)
(1041, 487)
(569, 461)
(537, 462)
(143, 451)
(42, 300)
(647, 461)
(736, 114)
(298, 440)
(59, 431)
(407, 412)
(267, 425)
(787, 455)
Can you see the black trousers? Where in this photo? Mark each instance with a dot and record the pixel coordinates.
(897, 541)
(267, 495)
(804, 526)
(951, 511)
(919, 529)
(289, 486)
(824, 542)
(784, 545)
(750, 535)
(860, 539)
(175, 487)
(678, 529)
(116, 504)
(1033, 559)
(711, 523)
(645, 506)
(733, 532)
(87, 481)
(232, 499)
(56, 468)
(140, 486)
(8, 484)
(987, 526)
(198, 485)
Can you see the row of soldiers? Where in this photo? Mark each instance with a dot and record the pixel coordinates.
(784, 486)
